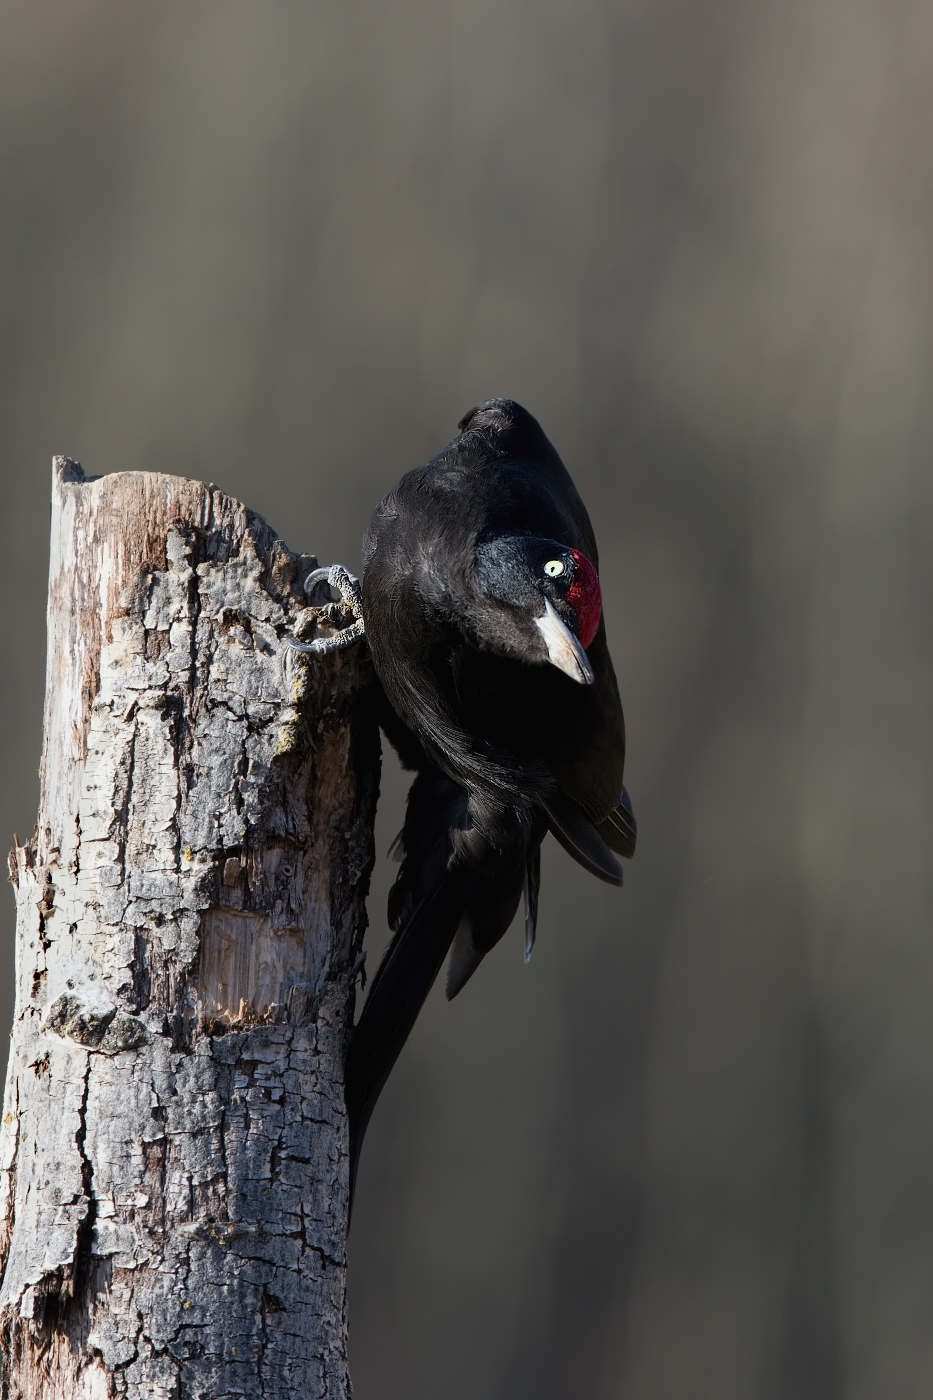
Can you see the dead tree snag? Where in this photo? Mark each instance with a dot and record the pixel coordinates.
(173, 1177)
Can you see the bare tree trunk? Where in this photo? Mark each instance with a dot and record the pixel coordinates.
(173, 1192)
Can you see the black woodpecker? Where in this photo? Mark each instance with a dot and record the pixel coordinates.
(482, 608)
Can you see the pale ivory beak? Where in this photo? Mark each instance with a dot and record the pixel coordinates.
(563, 649)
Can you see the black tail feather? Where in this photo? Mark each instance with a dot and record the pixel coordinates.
(404, 979)
(426, 905)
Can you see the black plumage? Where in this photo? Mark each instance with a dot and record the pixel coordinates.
(483, 614)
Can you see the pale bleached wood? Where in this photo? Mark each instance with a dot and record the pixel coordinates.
(173, 1159)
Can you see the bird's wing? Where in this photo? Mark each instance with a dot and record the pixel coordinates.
(591, 814)
(577, 834)
(620, 830)
(588, 761)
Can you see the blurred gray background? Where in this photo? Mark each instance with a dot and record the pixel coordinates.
(687, 1154)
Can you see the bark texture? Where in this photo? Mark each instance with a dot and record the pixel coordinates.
(173, 1179)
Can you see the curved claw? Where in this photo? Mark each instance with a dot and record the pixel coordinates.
(325, 644)
(343, 582)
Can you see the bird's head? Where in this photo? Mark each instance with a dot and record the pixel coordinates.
(540, 601)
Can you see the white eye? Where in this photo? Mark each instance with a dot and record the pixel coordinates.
(554, 568)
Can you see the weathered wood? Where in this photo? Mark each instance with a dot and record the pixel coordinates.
(173, 1192)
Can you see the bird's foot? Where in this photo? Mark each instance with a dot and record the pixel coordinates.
(342, 582)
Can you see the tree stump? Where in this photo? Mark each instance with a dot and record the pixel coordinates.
(173, 1178)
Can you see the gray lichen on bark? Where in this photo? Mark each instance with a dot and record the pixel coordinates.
(173, 1183)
